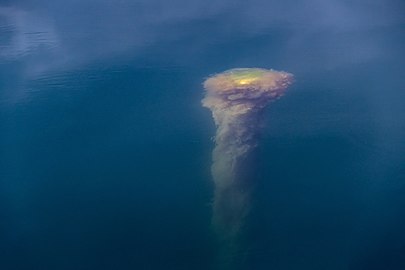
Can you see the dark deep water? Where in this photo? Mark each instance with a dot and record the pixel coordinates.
(105, 147)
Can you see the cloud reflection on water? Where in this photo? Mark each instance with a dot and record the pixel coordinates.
(71, 33)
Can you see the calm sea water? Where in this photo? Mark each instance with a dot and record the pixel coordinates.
(105, 147)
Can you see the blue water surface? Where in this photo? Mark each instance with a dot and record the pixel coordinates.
(105, 147)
